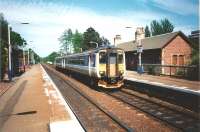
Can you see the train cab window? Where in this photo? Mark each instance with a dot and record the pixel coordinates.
(112, 58)
(102, 57)
(120, 58)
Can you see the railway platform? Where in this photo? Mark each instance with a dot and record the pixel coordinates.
(34, 104)
(164, 81)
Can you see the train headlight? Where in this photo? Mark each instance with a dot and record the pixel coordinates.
(102, 73)
(121, 72)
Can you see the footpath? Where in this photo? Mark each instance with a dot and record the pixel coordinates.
(163, 81)
(34, 104)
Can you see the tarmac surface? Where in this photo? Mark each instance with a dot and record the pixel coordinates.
(34, 105)
(164, 81)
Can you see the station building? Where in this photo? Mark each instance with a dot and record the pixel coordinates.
(166, 49)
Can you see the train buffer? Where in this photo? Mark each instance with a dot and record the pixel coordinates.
(35, 104)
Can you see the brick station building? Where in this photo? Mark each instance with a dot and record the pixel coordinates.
(166, 49)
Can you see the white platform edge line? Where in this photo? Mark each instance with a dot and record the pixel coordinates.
(64, 102)
(154, 83)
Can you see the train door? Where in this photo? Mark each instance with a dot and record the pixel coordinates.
(112, 64)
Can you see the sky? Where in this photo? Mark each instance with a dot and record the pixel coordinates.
(49, 18)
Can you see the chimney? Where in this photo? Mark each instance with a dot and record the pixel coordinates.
(117, 39)
(139, 34)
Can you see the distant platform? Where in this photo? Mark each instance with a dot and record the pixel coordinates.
(164, 81)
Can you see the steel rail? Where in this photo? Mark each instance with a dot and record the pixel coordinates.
(101, 108)
(131, 102)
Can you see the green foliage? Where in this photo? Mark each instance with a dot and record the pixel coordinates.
(195, 57)
(3, 45)
(151, 70)
(51, 57)
(66, 40)
(88, 36)
(194, 43)
(167, 26)
(104, 41)
(16, 40)
(147, 32)
(162, 27)
(77, 41)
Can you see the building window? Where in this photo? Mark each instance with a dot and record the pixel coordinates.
(174, 60)
(181, 60)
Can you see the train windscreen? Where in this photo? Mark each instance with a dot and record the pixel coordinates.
(102, 57)
(120, 58)
(113, 58)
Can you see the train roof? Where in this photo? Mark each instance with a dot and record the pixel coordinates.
(91, 51)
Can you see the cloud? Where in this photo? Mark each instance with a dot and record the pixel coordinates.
(182, 7)
(47, 22)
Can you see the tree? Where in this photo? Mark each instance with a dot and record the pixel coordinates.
(51, 57)
(66, 40)
(77, 41)
(104, 41)
(156, 28)
(3, 45)
(167, 26)
(88, 36)
(162, 27)
(16, 40)
(147, 32)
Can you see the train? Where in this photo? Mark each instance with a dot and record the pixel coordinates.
(105, 66)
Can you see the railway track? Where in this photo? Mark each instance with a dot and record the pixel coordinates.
(91, 115)
(172, 117)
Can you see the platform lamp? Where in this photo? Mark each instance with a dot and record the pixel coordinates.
(9, 56)
(139, 51)
(24, 23)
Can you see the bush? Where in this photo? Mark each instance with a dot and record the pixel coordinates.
(151, 70)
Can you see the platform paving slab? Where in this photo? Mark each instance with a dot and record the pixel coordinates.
(34, 92)
(164, 81)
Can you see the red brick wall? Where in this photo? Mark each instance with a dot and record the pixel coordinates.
(178, 46)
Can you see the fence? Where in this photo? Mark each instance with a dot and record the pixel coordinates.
(189, 72)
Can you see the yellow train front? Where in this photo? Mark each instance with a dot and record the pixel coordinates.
(104, 66)
(111, 68)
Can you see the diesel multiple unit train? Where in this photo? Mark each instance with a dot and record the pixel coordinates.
(104, 66)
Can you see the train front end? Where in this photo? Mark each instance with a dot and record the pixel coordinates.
(111, 68)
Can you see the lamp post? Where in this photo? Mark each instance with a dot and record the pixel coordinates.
(9, 56)
(139, 51)
(0, 57)
(24, 60)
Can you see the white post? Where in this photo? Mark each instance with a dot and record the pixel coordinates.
(140, 63)
(28, 56)
(9, 56)
(139, 50)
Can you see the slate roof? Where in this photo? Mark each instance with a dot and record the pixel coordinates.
(155, 42)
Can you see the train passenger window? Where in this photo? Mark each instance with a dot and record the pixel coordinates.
(86, 60)
(81, 60)
(66, 61)
(102, 57)
(120, 58)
